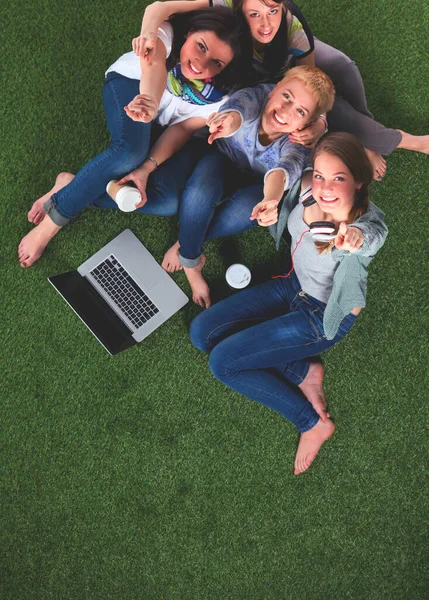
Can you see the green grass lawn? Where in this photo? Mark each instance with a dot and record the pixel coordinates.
(142, 477)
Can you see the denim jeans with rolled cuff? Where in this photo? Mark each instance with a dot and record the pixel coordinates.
(129, 146)
(218, 201)
(261, 341)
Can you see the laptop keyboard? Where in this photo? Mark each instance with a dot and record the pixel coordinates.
(124, 291)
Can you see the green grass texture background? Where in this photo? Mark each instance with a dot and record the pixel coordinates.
(142, 477)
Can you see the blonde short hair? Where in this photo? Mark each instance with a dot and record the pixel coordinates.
(316, 82)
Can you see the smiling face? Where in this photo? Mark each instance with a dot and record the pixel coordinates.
(264, 19)
(290, 107)
(334, 187)
(204, 55)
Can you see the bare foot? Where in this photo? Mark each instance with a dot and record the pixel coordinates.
(312, 388)
(37, 212)
(171, 262)
(418, 143)
(310, 443)
(378, 164)
(200, 289)
(32, 245)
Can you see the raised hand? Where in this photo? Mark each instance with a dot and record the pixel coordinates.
(265, 212)
(223, 125)
(145, 45)
(349, 238)
(143, 108)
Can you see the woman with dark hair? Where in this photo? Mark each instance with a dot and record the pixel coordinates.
(261, 340)
(282, 38)
(199, 56)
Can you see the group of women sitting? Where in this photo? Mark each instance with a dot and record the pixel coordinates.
(190, 61)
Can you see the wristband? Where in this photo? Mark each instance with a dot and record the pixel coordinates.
(153, 161)
(324, 119)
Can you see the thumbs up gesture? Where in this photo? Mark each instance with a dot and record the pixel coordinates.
(349, 238)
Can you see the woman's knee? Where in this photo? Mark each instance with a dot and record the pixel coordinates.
(129, 154)
(198, 332)
(340, 62)
(220, 361)
(334, 62)
(205, 186)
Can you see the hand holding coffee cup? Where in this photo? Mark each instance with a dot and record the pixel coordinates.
(126, 197)
(138, 178)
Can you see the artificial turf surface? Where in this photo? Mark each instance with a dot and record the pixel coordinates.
(140, 476)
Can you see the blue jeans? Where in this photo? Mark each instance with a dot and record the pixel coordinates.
(206, 213)
(261, 340)
(129, 146)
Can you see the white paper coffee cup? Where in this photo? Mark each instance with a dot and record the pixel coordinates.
(125, 196)
(238, 276)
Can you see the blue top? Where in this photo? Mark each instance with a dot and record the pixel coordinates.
(243, 147)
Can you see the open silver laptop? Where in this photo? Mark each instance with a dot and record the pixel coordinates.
(121, 293)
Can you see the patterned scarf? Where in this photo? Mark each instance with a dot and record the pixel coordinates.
(194, 91)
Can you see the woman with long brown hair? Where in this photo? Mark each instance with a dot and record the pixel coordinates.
(261, 341)
(281, 39)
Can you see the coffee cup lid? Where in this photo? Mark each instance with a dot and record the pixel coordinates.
(127, 198)
(238, 276)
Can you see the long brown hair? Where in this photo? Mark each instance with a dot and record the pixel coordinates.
(277, 51)
(350, 151)
(229, 27)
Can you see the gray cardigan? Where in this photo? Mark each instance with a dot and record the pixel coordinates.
(350, 278)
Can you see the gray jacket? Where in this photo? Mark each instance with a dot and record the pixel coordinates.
(350, 278)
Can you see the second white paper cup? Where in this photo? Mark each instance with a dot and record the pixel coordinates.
(238, 276)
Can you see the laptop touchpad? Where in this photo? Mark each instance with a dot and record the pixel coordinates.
(153, 273)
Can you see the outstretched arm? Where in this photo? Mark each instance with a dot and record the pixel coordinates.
(154, 73)
(152, 85)
(157, 12)
(170, 142)
(174, 138)
(266, 212)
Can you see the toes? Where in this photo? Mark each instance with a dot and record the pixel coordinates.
(302, 464)
(297, 466)
(170, 267)
(167, 266)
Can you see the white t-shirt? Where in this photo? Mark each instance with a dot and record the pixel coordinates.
(172, 109)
